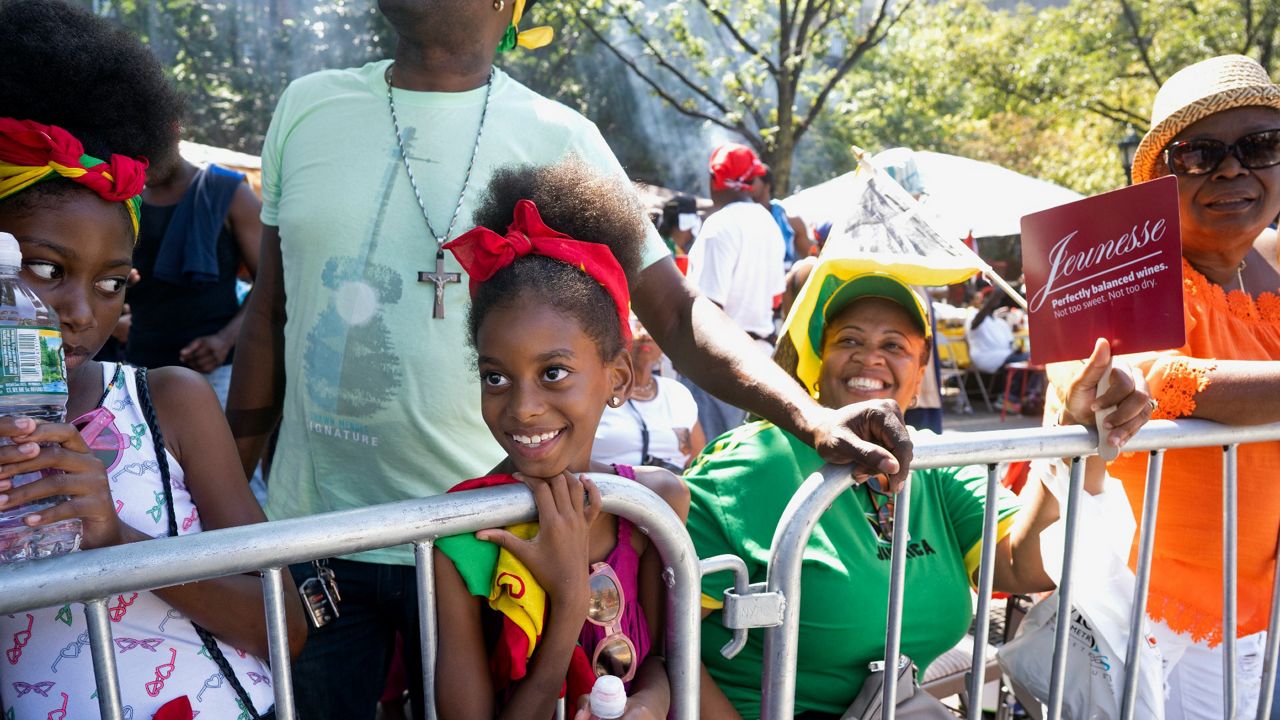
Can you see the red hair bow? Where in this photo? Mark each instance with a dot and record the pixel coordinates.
(483, 252)
(29, 144)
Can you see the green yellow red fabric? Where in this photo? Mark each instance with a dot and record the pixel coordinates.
(493, 573)
(31, 153)
(530, 39)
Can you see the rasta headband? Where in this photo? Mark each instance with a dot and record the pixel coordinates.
(483, 252)
(31, 153)
(530, 39)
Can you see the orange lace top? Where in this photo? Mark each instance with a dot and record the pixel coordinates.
(1186, 581)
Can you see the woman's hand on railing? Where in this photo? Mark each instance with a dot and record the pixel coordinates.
(75, 473)
(1127, 402)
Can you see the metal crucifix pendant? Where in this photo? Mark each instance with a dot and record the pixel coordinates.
(439, 277)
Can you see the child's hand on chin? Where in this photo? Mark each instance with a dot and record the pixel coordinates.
(77, 474)
(559, 555)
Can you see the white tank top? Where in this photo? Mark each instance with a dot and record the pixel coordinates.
(47, 670)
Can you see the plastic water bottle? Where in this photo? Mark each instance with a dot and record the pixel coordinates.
(608, 698)
(33, 383)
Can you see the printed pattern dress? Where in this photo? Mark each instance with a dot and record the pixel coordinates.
(47, 671)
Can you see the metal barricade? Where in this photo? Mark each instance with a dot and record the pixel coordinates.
(817, 493)
(92, 576)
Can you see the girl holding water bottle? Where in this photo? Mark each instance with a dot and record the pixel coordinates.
(148, 455)
(535, 608)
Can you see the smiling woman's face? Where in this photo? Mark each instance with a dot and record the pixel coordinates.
(1233, 204)
(871, 349)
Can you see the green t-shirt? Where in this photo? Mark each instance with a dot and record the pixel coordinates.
(739, 488)
(382, 402)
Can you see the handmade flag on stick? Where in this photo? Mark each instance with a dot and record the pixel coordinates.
(885, 230)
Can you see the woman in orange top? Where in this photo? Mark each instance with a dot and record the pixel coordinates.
(1216, 127)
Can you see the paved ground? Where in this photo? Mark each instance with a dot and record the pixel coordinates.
(980, 419)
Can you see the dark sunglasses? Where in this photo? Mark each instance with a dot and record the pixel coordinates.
(1201, 157)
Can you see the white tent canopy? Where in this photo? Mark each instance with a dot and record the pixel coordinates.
(963, 195)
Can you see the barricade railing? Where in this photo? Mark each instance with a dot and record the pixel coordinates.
(94, 576)
(775, 604)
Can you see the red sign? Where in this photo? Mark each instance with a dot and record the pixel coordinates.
(1108, 266)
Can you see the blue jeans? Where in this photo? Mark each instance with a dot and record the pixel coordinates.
(343, 667)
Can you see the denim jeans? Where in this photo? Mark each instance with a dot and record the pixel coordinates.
(343, 667)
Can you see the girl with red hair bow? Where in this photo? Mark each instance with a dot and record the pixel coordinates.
(535, 608)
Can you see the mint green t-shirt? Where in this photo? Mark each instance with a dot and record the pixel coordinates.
(739, 488)
(382, 402)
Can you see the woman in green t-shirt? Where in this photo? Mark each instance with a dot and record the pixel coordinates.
(865, 338)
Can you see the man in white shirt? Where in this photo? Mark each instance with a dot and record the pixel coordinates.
(737, 263)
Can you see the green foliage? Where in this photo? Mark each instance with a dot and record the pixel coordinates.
(1048, 93)
(764, 70)
(232, 59)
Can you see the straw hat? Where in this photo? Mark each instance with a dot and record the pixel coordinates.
(1195, 92)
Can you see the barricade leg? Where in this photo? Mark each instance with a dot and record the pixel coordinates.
(897, 590)
(1272, 649)
(278, 642)
(778, 677)
(986, 579)
(1229, 595)
(424, 563)
(104, 660)
(1062, 634)
(680, 576)
(1142, 583)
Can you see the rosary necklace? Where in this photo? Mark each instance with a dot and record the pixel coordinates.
(439, 277)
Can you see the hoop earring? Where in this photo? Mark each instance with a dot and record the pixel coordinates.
(914, 401)
(498, 5)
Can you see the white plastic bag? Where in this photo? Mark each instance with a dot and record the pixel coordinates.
(1095, 672)
(1102, 592)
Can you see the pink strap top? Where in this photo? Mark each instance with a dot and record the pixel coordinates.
(626, 564)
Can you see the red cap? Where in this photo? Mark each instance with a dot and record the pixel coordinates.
(734, 166)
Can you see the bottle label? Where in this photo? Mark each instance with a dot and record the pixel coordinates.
(31, 361)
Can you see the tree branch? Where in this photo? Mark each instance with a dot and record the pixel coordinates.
(1119, 114)
(751, 107)
(872, 38)
(661, 60)
(661, 92)
(747, 46)
(1131, 18)
(831, 17)
(1110, 112)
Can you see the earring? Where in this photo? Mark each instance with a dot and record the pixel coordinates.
(615, 402)
(498, 5)
(914, 401)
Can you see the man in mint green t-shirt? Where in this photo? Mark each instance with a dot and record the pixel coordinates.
(354, 340)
